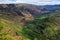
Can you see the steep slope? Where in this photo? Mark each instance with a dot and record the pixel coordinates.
(10, 30)
(11, 12)
(13, 18)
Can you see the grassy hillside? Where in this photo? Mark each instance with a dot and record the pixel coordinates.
(43, 28)
(28, 22)
(9, 30)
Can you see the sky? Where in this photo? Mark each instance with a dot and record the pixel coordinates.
(35, 2)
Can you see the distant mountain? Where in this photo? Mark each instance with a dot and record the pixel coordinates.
(32, 9)
(27, 10)
(52, 8)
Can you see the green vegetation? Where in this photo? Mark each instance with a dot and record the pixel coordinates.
(29, 22)
(1, 26)
(7, 28)
(41, 29)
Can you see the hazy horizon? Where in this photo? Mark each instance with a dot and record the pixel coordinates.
(35, 2)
